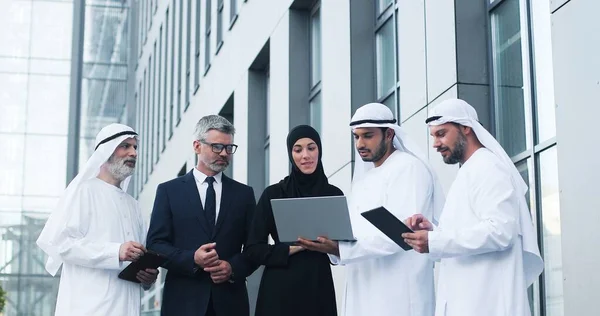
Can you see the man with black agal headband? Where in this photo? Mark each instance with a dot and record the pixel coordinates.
(485, 240)
(381, 278)
(296, 282)
(96, 230)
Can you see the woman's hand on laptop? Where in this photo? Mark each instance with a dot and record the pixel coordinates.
(323, 244)
(296, 249)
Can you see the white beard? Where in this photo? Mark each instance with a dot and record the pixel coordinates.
(118, 169)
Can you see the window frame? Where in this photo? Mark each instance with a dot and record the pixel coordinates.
(220, 35)
(234, 10)
(316, 87)
(388, 14)
(207, 36)
(198, 36)
(188, 56)
(180, 64)
(531, 155)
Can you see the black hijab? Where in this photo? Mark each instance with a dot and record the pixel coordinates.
(298, 184)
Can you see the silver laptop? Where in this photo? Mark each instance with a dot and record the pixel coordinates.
(312, 217)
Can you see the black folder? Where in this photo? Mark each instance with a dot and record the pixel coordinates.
(150, 260)
(388, 224)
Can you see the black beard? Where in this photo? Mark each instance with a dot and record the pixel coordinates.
(379, 152)
(457, 154)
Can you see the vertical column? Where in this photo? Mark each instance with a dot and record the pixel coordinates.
(412, 67)
(362, 53)
(75, 89)
(241, 118)
(132, 61)
(440, 28)
(298, 61)
(577, 91)
(279, 99)
(472, 58)
(336, 95)
(336, 85)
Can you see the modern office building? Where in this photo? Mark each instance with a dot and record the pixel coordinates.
(34, 104)
(269, 65)
(63, 75)
(67, 68)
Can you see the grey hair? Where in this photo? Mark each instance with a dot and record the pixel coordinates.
(210, 122)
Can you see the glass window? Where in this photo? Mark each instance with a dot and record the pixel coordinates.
(188, 53)
(52, 24)
(41, 204)
(147, 126)
(382, 5)
(166, 83)
(141, 26)
(48, 108)
(153, 107)
(523, 168)
(553, 276)
(15, 23)
(138, 121)
(316, 112)
(267, 165)
(233, 9)
(172, 72)
(50, 67)
(180, 56)
(197, 36)
(41, 152)
(385, 59)
(268, 107)
(544, 75)
(143, 128)
(14, 64)
(219, 24)
(267, 126)
(315, 43)
(12, 147)
(515, 125)
(508, 85)
(143, 19)
(207, 42)
(160, 119)
(390, 102)
(148, 17)
(13, 102)
(9, 203)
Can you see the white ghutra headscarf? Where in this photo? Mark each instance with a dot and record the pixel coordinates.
(52, 235)
(379, 115)
(460, 112)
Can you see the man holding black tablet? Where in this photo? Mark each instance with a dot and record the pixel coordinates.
(485, 241)
(96, 228)
(382, 278)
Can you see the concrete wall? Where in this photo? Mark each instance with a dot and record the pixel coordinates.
(443, 53)
(576, 48)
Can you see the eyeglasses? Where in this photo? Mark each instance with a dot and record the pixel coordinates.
(218, 147)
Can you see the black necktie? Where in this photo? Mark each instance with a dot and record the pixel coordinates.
(210, 205)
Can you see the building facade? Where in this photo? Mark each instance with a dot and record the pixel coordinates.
(63, 76)
(35, 54)
(269, 65)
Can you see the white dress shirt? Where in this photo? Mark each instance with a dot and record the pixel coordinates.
(203, 186)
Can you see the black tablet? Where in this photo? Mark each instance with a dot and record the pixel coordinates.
(150, 260)
(388, 224)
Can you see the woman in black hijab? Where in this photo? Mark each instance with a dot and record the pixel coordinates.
(295, 281)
